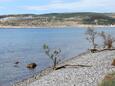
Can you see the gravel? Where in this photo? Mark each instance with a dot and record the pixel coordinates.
(80, 76)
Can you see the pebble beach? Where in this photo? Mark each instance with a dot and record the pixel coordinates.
(99, 66)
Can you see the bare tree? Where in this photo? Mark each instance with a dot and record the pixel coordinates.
(91, 36)
(104, 37)
(107, 40)
(53, 55)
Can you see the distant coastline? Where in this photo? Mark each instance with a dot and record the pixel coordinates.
(60, 26)
(58, 20)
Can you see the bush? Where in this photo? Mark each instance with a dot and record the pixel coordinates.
(91, 36)
(107, 40)
(52, 54)
(109, 80)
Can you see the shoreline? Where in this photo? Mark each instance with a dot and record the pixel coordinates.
(44, 72)
(48, 73)
(60, 26)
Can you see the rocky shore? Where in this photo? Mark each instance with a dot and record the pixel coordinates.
(99, 65)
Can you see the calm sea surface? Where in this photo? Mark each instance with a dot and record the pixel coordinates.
(26, 46)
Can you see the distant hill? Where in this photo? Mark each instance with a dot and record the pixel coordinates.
(56, 19)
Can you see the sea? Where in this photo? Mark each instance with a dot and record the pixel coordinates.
(25, 45)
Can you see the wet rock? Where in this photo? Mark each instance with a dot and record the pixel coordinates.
(17, 62)
(31, 65)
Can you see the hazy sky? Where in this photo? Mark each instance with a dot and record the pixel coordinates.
(55, 6)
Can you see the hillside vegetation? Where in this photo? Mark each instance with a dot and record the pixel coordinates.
(57, 19)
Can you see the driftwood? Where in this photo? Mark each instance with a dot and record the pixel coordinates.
(96, 50)
(68, 65)
(60, 67)
(92, 50)
(105, 49)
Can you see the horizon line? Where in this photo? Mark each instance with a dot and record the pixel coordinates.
(49, 13)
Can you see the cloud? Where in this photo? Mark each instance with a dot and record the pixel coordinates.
(55, 6)
(76, 5)
(6, 0)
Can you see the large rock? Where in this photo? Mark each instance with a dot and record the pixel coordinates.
(31, 65)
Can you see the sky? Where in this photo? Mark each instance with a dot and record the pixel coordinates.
(55, 6)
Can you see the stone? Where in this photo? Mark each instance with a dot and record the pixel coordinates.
(17, 62)
(31, 65)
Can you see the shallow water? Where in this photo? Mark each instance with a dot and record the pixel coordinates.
(25, 46)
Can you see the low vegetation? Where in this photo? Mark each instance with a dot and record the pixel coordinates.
(109, 80)
(52, 54)
(106, 39)
(91, 36)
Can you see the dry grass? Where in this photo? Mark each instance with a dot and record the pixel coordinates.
(109, 80)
